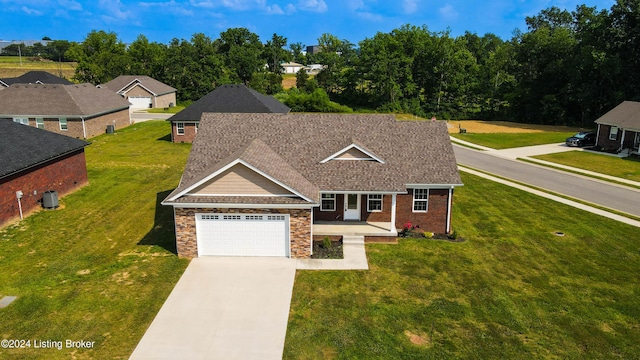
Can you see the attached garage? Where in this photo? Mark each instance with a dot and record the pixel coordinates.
(242, 234)
(140, 102)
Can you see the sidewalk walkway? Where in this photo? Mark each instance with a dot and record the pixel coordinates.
(527, 152)
(355, 257)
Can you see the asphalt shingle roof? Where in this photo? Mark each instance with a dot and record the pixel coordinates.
(413, 152)
(231, 99)
(33, 77)
(626, 115)
(59, 100)
(23, 146)
(123, 82)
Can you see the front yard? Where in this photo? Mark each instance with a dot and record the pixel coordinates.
(513, 289)
(626, 168)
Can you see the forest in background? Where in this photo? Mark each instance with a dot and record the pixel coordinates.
(567, 68)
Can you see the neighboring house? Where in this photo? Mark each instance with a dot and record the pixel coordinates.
(34, 161)
(291, 67)
(79, 110)
(143, 92)
(224, 99)
(34, 77)
(314, 68)
(258, 184)
(619, 129)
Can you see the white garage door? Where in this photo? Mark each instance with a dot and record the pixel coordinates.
(140, 102)
(242, 234)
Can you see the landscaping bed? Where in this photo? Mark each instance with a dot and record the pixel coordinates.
(328, 248)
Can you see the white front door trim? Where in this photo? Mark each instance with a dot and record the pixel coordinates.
(352, 207)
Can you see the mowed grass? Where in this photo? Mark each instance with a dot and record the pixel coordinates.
(100, 267)
(513, 140)
(626, 168)
(10, 66)
(512, 290)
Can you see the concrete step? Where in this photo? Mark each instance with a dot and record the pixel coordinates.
(352, 239)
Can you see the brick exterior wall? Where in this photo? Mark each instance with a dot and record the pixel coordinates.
(611, 145)
(382, 216)
(337, 215)
(62, 175)
(434, 220)
(94, 126)
(164, 101)
(299, 225)
(190, 132)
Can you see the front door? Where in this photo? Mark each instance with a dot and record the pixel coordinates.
(352, 207)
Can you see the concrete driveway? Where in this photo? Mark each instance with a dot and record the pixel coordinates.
(224, 308)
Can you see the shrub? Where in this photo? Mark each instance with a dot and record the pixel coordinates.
(428, 234)
(326, 242)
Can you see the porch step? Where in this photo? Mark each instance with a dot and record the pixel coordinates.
(352, 239)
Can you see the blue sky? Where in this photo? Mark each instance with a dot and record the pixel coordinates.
(298, 20)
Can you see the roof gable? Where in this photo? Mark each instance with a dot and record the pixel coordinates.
(36, 77)
(24, 146)
(353, 152)
(231, 99)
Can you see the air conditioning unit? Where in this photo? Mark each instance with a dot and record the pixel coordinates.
(110, 129)
(50, 199)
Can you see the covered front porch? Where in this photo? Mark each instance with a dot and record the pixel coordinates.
(362, 228)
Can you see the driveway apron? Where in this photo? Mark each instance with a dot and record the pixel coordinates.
(224, 308)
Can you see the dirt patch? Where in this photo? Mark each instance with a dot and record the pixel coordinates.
(418, 339)
(485, 127)
(84, 272)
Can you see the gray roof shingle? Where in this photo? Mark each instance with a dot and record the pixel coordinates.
(124, 82)
(231, 99)
(34, 77)
(59, 100)
(413, 152)
(626, 115)
(23, 146)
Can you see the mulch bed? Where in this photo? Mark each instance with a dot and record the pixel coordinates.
(332, 252)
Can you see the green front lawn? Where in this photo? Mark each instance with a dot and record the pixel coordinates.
(626, 168)
(513, 289)
(172, 110)
(100, 267)
(512, 140)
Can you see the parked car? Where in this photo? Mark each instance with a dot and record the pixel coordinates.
(583, 138)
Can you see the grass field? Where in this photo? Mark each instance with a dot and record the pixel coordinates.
(10, 66)
(626, 168)
(512, 290)
(100, 267)
(505, 135)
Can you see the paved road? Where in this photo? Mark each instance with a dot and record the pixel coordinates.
(615, 197)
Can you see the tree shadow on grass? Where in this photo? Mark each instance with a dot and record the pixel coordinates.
(163, 232)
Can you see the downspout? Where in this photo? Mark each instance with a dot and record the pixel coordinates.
(311, 242)
(449, 210)
(84, 129)
(622, 139)
(598, 135)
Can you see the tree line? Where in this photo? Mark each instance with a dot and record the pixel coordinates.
(567, 68)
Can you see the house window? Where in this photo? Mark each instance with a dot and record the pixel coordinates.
(63, 124)
(613, 133)
(40, 123)
(420, 200)
(328, 202)
(197, 126)
(23, 121)
(374, 202)
(180, 128)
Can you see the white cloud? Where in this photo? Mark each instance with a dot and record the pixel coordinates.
(448, 12)
(369, 16)
(114, 11)
(313, 5)
(30, 11)
(274, 10)
(171, 6)
(290, 9)
(410, 6)
(70, 5)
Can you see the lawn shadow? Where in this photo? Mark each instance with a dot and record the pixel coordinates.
(163, 232)
(165, 138)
